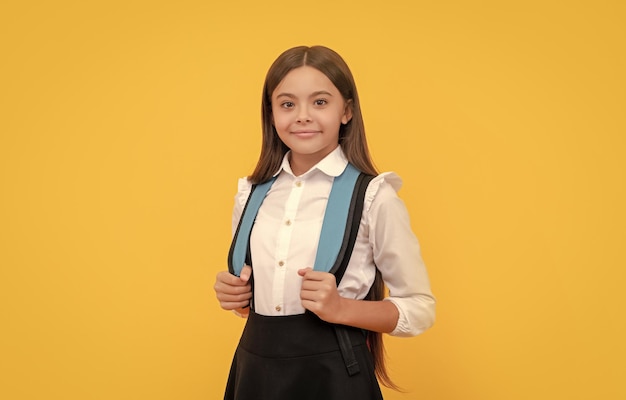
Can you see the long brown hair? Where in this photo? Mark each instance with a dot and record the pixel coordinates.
(351, 137)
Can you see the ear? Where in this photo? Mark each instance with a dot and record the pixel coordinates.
(347, 112)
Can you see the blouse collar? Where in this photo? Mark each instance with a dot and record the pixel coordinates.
(332, 165)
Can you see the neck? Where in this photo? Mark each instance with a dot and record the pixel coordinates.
(301, 163)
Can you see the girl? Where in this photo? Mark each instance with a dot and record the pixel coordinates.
(315, 332)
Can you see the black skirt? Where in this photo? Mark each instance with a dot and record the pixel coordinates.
(298, 358)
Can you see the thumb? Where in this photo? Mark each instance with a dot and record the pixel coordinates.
(246, 271)
(303, 271)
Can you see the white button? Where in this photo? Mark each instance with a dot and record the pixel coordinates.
(298, 183)
(288, 222)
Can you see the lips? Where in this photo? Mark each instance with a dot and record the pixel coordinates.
(305, 133)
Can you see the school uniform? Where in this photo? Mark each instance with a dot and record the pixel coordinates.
(286, 352)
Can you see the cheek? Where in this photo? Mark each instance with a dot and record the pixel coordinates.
(281, 122)
(280, 127)
(333, 120)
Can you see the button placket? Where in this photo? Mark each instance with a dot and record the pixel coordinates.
(284, 236)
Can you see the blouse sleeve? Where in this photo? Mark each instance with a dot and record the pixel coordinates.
(243, 191)
(397, 255)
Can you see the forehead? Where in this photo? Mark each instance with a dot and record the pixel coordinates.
(303, 81)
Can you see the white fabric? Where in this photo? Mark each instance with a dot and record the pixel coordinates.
(286, 232)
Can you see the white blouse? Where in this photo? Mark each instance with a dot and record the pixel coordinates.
(286, 232)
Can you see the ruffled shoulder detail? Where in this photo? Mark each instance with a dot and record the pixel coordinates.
(387, 181)
(244, 186)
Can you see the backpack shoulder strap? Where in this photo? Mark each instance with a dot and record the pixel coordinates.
(336, 218)
(239, 246)
(352, 226)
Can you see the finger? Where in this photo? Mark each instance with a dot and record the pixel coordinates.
(307, 304)
(312, 306)
(310, 297)
(246, 272)
(318, 276)
(311, 285)
(233, 298)
(308, 273)
(303, 271)
(227, 278)
(221, 287)
(317, 293)
(226, 305)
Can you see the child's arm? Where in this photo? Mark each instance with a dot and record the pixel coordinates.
(410, 307)
(396, 254)
(319, 295)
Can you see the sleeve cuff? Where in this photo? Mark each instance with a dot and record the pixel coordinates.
(423, 318)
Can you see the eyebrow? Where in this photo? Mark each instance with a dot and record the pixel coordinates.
(314, 94)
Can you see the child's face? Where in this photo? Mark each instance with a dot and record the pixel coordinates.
(307, 112)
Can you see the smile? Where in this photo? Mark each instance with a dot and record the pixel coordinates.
(305, 133)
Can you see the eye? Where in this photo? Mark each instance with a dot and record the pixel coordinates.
(320, 102)
(287, 104)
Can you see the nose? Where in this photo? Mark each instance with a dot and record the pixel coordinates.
(303, 115)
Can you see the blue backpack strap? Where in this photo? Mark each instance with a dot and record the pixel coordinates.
(335, 217)
(239, 247)
(353, 223)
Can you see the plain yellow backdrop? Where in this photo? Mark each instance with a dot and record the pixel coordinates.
(125, 125)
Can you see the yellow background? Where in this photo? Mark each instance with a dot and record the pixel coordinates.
(125, 125)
